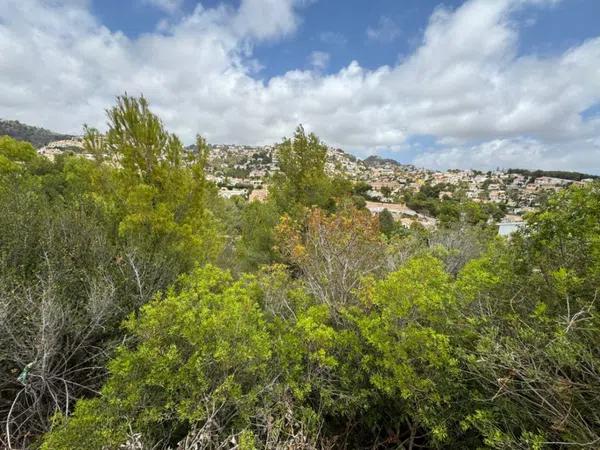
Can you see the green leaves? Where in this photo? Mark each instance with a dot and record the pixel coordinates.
(409, 325)
(445, 339)
(203, 354)
(87, 242)
(486, 353)
(157, 189)
(301, 181)
(15, 156)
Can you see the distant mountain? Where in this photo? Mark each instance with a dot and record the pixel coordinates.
(38, 137)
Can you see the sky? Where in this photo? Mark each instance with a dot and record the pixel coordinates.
(456, 84)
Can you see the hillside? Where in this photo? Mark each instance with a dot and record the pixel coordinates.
(38, 137)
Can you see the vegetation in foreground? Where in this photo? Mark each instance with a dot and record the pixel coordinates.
(140, 311)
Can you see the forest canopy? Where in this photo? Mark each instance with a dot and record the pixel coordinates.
(139, 310)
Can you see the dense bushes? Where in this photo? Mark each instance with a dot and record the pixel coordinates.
(84, 244)
(497, 357)
(182, 378)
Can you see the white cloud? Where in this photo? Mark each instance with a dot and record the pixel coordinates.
(266, 19)
(319, 60)
(465, 84)
(581, 155)
(386, 30)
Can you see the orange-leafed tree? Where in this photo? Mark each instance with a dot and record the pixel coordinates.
(333, 251)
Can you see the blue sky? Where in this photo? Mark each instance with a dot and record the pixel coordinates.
(469, 83)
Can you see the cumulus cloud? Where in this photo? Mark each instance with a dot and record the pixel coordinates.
(581, 155)
(465, 84)
(266, 19)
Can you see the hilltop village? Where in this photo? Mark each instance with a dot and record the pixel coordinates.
(244, 171)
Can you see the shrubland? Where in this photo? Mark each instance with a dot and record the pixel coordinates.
(138, 310)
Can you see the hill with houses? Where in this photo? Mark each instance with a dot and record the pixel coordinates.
(245, 171)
